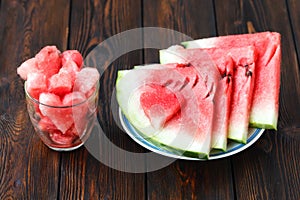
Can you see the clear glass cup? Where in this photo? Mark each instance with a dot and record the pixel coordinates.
(63, 128)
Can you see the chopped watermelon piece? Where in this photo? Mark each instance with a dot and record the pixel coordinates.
(62, 139)
(51, 106)
(60, 83)
(36, 84)
(78, 132)
(159, 104)
(70, 68)
(264, 110)
(27, 67)
(73, 98)
(88, 73)
(79, 112)
(73, 55)
(91, 92)
(45, 124)
(48, 60)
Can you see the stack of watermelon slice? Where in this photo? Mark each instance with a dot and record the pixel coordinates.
(55, 82)
(205, 92)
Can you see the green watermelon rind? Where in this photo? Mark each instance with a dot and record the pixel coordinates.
(166, 57)
(154, 140)
(178, 151)
(263, 126)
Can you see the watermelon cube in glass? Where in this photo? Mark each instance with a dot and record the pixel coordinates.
(63, 124)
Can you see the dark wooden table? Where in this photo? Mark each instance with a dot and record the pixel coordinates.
(269, 169)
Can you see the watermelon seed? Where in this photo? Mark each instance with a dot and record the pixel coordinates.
(228, 78)
(177, 84)
(248, 73)
(186, 81)
(168, 83)
(196, 81)
(182, 65)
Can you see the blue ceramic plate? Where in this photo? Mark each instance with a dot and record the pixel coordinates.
(232, 147)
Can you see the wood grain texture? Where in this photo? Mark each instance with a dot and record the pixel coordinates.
(264, 170)
(91, 23)
(28, 169)
(192, 180)
(293, 8)
(195, 19)
(182, 179)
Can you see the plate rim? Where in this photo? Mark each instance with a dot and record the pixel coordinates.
(152, 147)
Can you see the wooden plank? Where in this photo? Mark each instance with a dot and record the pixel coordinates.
(293, 8)
(192, 180)
(186, 179)
(269, 169)
(83, 176)
(182, 16)
(28, 169)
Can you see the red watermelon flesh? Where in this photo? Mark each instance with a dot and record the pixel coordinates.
(62, 139)
(264, 110)
(45, 124)
(50, 106)
(201, 83)
(60, 84)
(48, 60)
(78, 112)
(27, 67)
(159, 104)
(72, 55)
(36, 84)
(88, 73)
(70, 68)
(204, 67)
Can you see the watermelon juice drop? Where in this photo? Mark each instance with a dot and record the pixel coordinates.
(63, 125)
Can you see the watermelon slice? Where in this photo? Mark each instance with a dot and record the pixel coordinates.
(189, 130)
(243, 84)
(222, 101)
(224, 87)
(264, 110)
